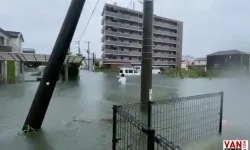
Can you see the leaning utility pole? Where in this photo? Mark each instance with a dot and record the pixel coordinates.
(88, 51)
(147, 44)
(47, 85)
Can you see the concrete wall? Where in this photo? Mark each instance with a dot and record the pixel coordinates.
(200, 63)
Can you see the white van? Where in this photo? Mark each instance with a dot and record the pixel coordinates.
(129, 71)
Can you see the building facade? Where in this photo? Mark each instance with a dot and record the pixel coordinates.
(122, 38)
(29, 50)
(228, 60)
(10, 41)
(200, 62)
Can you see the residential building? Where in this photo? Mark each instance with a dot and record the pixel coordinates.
(122, 38)
(10, 41)
(228, 60)
(200, 62)
(29, 50)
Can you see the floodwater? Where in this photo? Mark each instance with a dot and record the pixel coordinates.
(80, 112)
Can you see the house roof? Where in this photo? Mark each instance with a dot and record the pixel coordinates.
(37, 57)
(227, 52)
(4, 32)
(201, 59)
(13, 34)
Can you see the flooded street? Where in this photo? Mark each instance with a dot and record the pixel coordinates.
(80, 113)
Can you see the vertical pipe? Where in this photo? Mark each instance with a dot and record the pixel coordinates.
(149, 113)
(147, 43)
(47, 85)
(150, 140)
(114, 127)
(221, 112)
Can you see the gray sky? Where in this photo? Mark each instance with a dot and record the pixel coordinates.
(209, 25)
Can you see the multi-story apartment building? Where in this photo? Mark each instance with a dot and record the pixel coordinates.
(122, 38)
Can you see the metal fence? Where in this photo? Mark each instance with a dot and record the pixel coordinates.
(167, 123)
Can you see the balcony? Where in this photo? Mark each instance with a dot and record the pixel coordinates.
(121, 25)
(164, 48)
(136, 28)
(125, 35)
(125, 44)
(4, 48)
(164, 40)
(160, 32)
(110, 61)
(136, 53)
(125, 17)
(165, 25)
(118, 52)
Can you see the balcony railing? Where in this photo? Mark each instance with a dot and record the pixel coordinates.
(137, 45)
(119, 43)
(137, 19)
(125, 17)
(112, 33)
(165, 25)
(138, 61)
(122, 25)
(134, 53)
(136, 28)
(4, 48)
(164, 40)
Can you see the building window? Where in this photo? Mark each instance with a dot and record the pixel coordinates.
(121, 57)
(129, 58)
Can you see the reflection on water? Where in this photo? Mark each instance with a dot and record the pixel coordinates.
(75, 117)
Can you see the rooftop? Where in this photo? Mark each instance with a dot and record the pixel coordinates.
(228, 52)
(201, 59)
(13, 34)
(138, 12)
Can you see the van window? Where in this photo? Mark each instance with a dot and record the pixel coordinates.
(130, 71)
(121, 71)
(126, 71)
(135, 71)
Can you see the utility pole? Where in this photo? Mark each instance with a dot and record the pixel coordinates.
(146, 63)
(47, 85)
(88, 51)
(78, 46)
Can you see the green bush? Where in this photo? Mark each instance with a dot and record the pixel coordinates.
(174, 73)
(11, 72)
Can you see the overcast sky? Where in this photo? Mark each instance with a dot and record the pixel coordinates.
(209, 25)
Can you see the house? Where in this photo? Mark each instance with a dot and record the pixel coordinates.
(200, 62)
(10, 41)
(29, 50)
(228, 60)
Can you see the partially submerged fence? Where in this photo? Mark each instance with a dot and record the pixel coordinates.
(167, 123)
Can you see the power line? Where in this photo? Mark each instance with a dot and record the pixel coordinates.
(89, 20)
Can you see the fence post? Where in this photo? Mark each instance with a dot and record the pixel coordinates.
(114, 140)
(149, 114)
(151, 141)
(221, 111)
